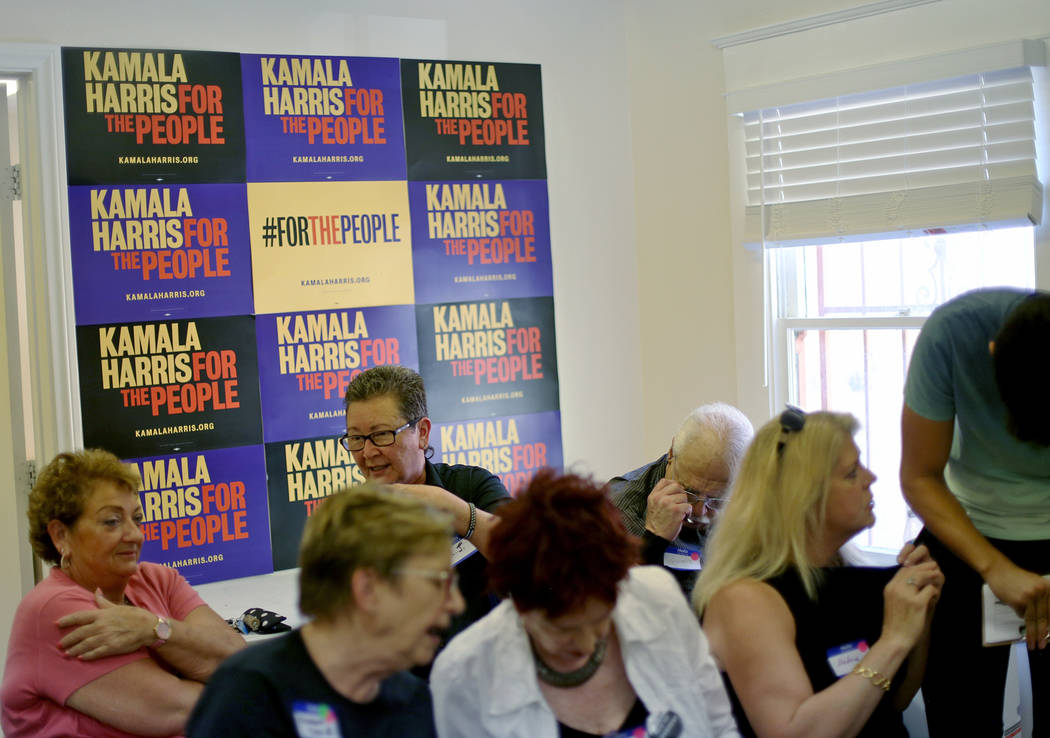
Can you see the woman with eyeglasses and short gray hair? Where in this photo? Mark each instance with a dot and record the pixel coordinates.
(388, 435)
(376, 579)
(810, 647)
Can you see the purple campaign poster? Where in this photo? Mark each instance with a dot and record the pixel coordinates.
(480, 240)
(205, 513)
(159, 252)
(318, 118)
(306, 361)
(513, 448)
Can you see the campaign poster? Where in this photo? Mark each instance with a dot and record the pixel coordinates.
(513, 448)
(301, 474)
(169, 386)
(468, 120)
(493, 357)
(151, 252)
(306, 361)
(320, 118)
(135, 116)
(328, 245)
(480, 240)
(205, 513)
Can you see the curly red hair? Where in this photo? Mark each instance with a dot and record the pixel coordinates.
(558, 544)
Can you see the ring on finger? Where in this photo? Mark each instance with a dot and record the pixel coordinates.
(911, 581)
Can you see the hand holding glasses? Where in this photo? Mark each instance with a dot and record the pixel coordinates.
(712, 506)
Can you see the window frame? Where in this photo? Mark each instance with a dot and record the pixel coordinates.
(789, 282)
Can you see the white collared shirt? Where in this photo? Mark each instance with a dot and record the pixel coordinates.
(484, 683)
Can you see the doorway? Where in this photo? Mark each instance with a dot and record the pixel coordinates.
(38, 400)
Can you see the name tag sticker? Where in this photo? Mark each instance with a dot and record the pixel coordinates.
(683, 558)
(843, 658)
(462, 549)
(638, 732)
(315, 720)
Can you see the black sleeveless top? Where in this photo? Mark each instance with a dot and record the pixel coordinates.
(848, 609)
(635, 718)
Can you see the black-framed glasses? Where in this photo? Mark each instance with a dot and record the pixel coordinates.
(379, 438)
(792, 420)
(448, 578)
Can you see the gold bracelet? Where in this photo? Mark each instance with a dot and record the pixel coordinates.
(876, 678)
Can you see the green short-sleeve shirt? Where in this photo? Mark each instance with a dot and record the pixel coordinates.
(1002, 483)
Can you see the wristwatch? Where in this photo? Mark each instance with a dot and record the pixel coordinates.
(162, 630)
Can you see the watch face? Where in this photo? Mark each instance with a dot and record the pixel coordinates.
(162, 629)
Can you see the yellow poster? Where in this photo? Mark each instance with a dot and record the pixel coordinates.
(321, 245)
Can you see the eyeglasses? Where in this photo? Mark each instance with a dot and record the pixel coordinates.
(379, 438)
(792, 420)
(712, 505)
(449, 578)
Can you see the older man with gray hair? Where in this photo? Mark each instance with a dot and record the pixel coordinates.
(671, 502)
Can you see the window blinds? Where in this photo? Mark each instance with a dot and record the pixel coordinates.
(954, 154)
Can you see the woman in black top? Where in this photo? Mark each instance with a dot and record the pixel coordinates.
(810, 648)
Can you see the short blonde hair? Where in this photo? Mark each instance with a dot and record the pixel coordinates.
(369, 526)
(62, 487)
(778, 504)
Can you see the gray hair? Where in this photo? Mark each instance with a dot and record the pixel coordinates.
(400, 382)
(715, 432)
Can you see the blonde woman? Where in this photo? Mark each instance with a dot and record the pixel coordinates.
(811, 648)
(376, 578)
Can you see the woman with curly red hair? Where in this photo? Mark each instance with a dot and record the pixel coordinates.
(586, 644)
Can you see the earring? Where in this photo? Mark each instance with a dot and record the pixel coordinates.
(63, 562)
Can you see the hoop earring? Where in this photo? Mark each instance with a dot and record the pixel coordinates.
(63, 562)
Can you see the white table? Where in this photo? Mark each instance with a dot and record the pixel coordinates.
(278, 592)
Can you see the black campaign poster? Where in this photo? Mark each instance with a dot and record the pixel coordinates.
(163, 387)
(136, 115)
(490, 357)
(465, 120)
(301, 474)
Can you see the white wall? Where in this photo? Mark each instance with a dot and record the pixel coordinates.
(581, 47)
(681, 202)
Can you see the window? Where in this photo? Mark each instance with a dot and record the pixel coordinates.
(872, 208)
(845, 320)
